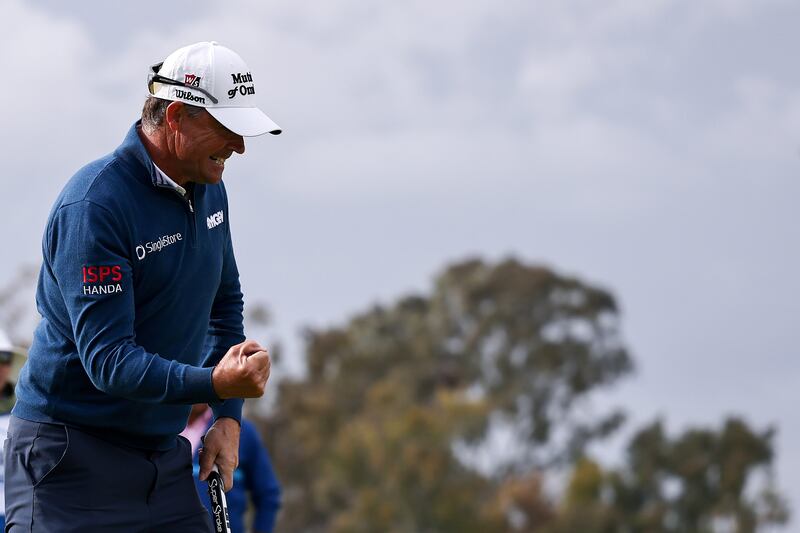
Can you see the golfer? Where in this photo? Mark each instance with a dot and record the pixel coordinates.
(141, 318)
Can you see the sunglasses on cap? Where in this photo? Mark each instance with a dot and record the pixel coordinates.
(155, 77)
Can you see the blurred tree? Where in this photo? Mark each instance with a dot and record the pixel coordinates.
(386, 432)
(703, 481)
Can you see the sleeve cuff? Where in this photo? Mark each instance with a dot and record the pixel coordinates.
(231, 408)
(198, 386)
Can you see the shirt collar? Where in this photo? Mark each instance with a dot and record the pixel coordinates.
(162, 180)
(133, 151)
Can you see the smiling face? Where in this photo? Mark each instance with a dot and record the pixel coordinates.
(200, 145)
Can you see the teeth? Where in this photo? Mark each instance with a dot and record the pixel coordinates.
(219, 160)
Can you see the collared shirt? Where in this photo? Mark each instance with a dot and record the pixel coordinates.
(165, 180)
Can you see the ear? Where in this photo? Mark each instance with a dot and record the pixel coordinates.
(174, 115)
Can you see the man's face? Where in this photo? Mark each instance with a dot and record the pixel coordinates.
(202, 145)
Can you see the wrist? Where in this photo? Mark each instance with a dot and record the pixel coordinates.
(215, 382)
(228, 420)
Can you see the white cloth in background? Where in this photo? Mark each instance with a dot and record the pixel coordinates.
(195, 430)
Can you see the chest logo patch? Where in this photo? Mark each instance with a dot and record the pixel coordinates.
(214, 220)
(159, 244)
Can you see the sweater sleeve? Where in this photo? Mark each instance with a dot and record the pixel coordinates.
(91, 261)
(262, 484)
(225, 327)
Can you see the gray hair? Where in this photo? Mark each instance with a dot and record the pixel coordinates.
(155, 109)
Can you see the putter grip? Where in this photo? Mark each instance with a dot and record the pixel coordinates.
(219, 506)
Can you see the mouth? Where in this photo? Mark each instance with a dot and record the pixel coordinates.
(219, 161)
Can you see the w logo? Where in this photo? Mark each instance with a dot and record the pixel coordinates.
(191, 80)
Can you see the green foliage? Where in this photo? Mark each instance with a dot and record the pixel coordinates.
(387, 431)
(366, 442)
(697, 482)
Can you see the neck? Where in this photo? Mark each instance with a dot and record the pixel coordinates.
(161, 152)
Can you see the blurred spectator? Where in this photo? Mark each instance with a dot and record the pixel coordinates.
(253, 476)
(7, 400)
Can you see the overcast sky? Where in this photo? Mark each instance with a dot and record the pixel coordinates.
(652, 148)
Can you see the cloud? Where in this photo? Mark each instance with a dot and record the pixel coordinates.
(760, 128)
(44, 59)
(47, 73)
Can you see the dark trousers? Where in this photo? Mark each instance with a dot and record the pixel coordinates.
(60, 479)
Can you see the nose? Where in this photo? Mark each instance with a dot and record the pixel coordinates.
(236, 143)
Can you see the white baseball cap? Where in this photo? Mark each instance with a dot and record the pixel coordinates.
(7, 349)
(212, 76)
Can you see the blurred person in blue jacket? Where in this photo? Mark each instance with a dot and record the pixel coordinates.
(253, 476)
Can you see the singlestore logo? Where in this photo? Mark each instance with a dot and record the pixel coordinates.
(156, 246)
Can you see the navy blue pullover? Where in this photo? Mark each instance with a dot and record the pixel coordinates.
(139, 296)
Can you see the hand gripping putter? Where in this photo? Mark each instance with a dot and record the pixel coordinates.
(219, 505)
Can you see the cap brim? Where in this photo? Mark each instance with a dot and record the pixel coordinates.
(15, 355)
(245, 121)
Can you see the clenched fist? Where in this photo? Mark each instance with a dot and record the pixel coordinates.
(242, 372)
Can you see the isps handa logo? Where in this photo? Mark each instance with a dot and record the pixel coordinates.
(102, 279)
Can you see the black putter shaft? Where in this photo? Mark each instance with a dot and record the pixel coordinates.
(219, 505)
(216, 493)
